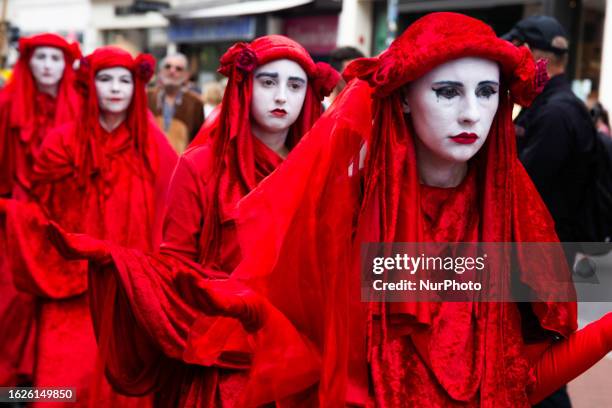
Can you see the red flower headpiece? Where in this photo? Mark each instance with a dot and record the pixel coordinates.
(441, 37)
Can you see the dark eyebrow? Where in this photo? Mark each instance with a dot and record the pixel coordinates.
(448, 83)
(268, 74)
(494, 83)
(298, 79)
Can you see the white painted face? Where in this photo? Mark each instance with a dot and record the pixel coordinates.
(47, 65)
(115, 88)
(279, 89)
(452, 108)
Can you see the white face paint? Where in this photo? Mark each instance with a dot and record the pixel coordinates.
(114, 87)
(47, 65)
(279, 89)
(452, 108)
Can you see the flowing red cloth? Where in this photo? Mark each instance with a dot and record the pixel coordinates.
(147, 330)
(114, 192)
(25, 117)
(301, 232)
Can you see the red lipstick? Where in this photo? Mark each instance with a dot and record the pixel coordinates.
(279, 112)
(465, 138)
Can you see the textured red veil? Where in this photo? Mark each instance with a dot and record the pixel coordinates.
(302, 228)
(20, 93)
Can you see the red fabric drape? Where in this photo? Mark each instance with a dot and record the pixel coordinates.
(26, 115)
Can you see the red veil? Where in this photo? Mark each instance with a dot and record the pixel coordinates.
(302, 228)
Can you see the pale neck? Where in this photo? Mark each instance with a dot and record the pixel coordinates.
(48, 89)
(111, 120)
(274, 140)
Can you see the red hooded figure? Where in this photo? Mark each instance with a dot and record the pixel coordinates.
(28, 109)
(106, 176)
(144, 327)
(358, 177)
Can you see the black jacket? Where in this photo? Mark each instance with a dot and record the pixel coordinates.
(555, 142)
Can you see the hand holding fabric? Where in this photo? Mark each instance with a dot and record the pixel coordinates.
(223, 297)
(77, 246)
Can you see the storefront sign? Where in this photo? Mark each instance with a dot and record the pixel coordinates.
(241, 28)
(317, 34)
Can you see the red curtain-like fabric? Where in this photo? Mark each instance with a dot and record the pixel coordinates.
(26, 115)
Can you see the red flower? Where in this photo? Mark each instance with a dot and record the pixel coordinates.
(145, 67)
(246, 60)
(325, 79)
(241, 56)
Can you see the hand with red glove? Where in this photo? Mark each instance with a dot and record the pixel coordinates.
(78, 246)
(223, 297)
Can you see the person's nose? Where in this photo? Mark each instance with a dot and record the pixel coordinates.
(470, 114)
(281, 95)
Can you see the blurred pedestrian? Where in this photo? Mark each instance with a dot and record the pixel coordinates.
(178, 110)
(212, 96)
(339, 59)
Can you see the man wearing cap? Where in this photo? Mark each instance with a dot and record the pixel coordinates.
(555, 138)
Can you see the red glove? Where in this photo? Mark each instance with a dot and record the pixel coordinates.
(223, 297)
(78, 246)
(567, 359)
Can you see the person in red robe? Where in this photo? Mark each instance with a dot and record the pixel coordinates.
(105, 175)
(39, 95)
(272, 99)
(419, 148)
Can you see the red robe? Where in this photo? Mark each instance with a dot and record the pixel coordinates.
(148, 329)
(18, 147)
(119, 202)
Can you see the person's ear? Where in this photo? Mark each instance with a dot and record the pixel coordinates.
(404, 97)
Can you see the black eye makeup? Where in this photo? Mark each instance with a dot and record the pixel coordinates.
(487, 89)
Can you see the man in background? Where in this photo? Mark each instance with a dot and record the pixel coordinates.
(555, 140)
(339, 58)
(178, 111)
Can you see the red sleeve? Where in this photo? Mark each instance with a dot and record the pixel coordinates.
(567, 359)
(184, 212)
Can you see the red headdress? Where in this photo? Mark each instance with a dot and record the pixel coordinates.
(235, 150)
(89, 157)
(22, 87)
(297, 232)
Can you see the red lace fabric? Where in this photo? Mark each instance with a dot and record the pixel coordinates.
(144, 334)
(26, 115)
(301, 232)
